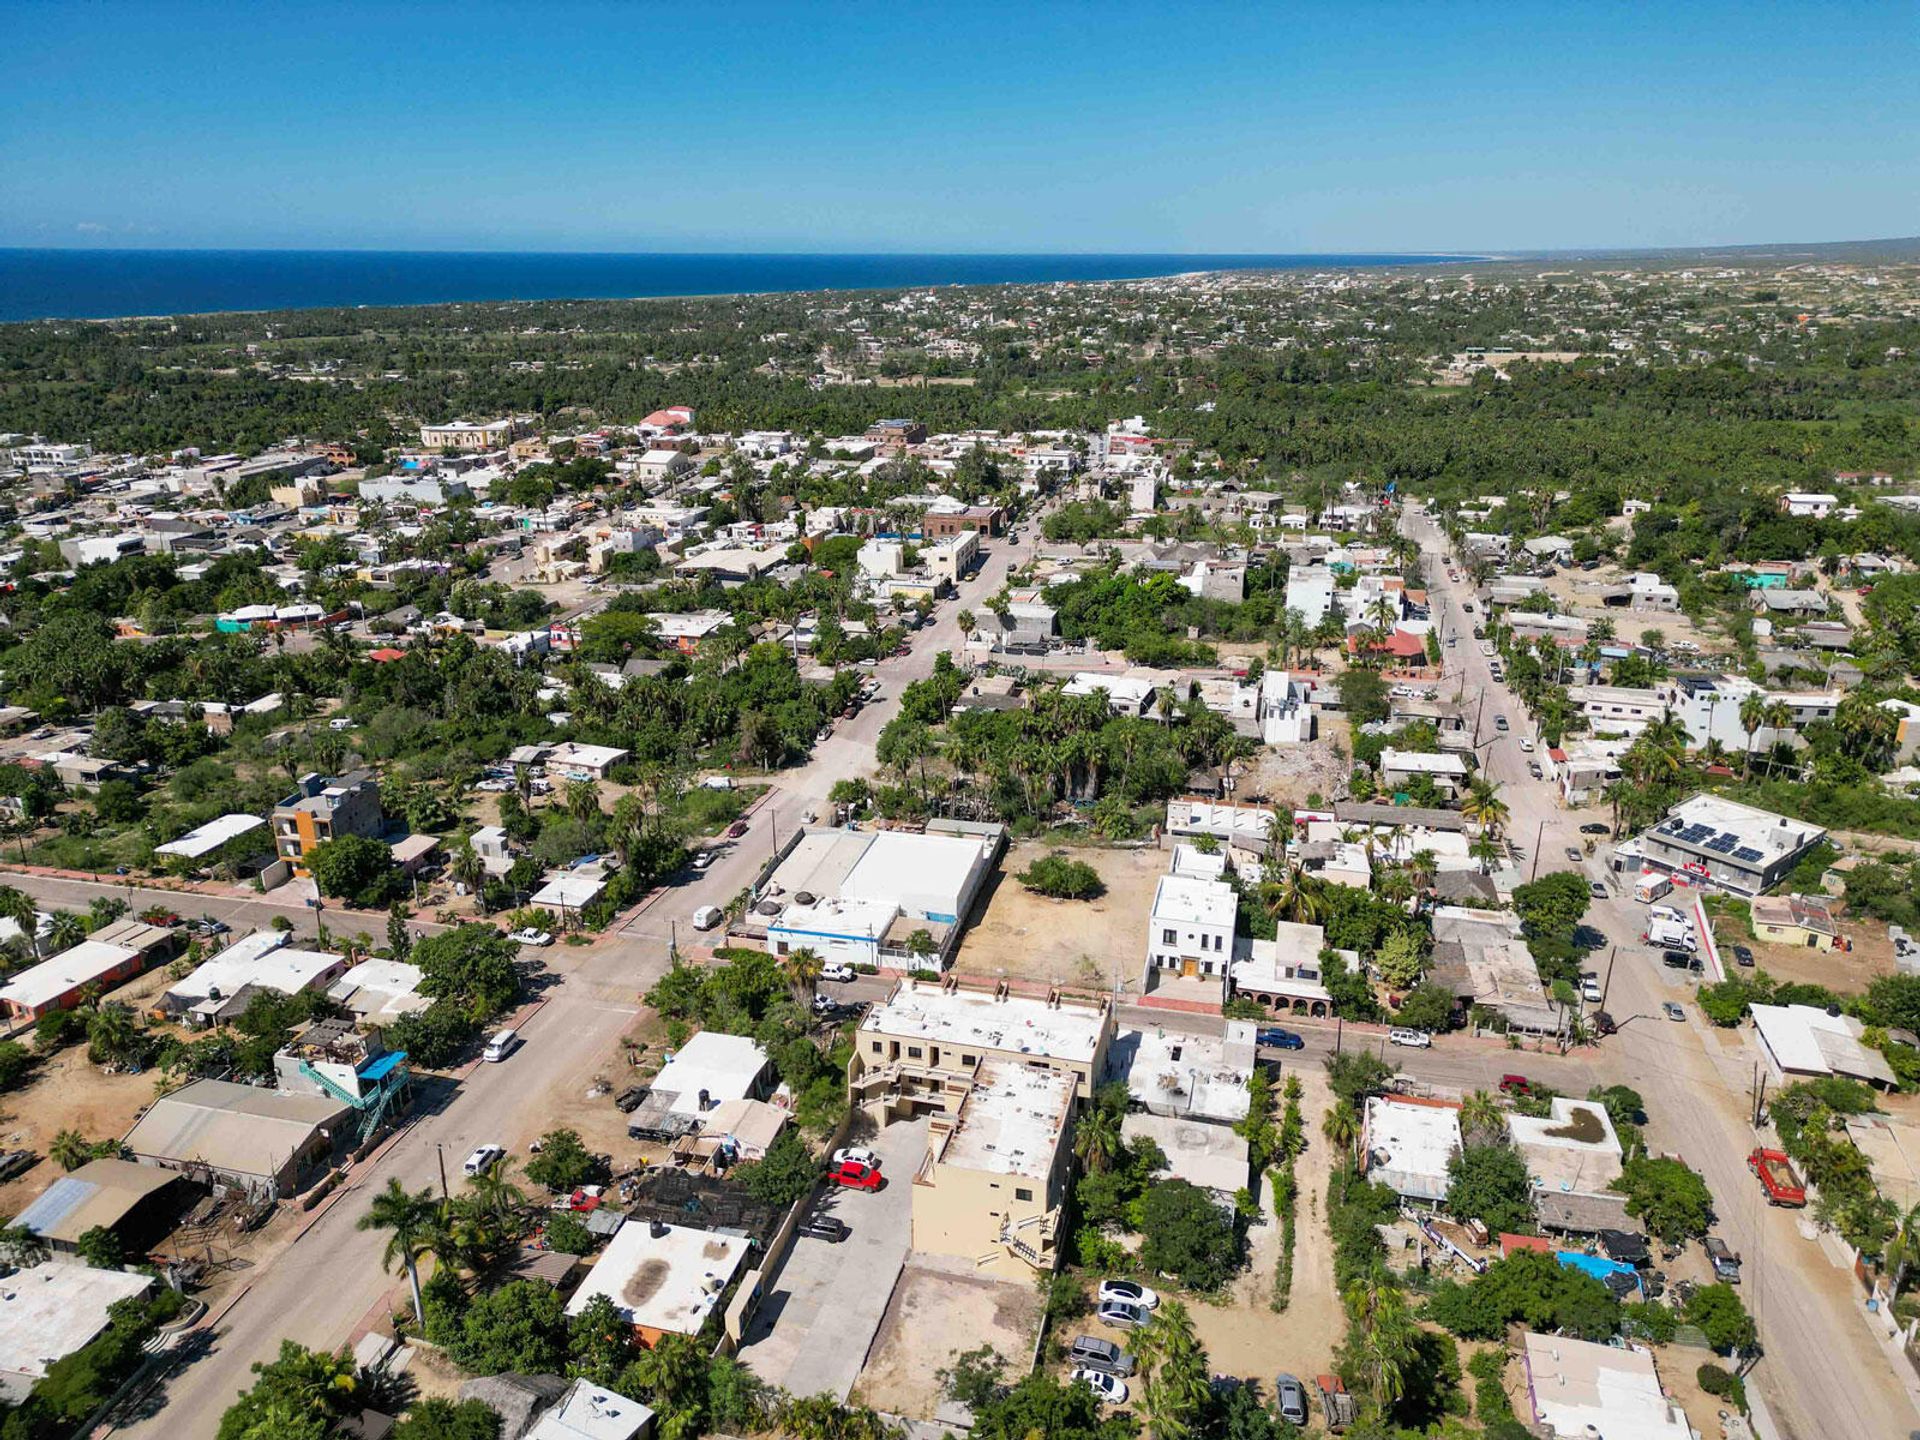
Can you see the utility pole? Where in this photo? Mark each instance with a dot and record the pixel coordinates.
(441, 1151)
(1607, 984)
(1537, 835)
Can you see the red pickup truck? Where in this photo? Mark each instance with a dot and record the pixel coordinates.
(1777, 1178)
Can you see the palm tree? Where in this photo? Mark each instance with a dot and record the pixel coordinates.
(1381, 1335)
(1753, 714)
(802, 968)
(1340, 1127)
(70, 1150)
(1779, 718)
(1097, 1142)
(17, 906)
(412, 1217)
(1485, 808)
(1904, 1247)
(465, 865)
(65, 931)
(1176, 1369)
(494, 1194)
(1295, 897)
(583, 800)
(1481, 1113)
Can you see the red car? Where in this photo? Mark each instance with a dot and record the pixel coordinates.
(855, 1176)
(737, 829)
(1515, 1085)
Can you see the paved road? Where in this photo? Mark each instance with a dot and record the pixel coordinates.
(322, 1286)
(1823, 1373)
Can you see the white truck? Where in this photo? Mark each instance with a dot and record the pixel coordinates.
(1650, 887)
(1672, 935)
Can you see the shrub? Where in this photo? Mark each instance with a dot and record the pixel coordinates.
(1723, 1384)
(1062, 878)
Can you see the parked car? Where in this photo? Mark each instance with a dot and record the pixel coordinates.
(1596, 890)
(702, 859)
(1499, 721)
(1603, 1022)
(494, 787)
(1090, 1352)
(13, 1162)
(530, 936)
(1278, 1039)
(1418, 1039)
(206, 925)
(1516, 1085)
(1742, 955)
(1572, 853)
(1778, 1178)
(1533, 769)
(825, 1227)
(1121, 1315)
(836, 970)
(1590, 991)
(1290, 1398)
(1595, 829)
(708, 916)
(736, 829)
(1526, 745)
(1109, 1388)
(628, 1100)
(858, 1155)
(484, 1159)
(1724, 1259)
(855, 1176)
(501, 1045)
(1672, 1011)
(1128, 1292)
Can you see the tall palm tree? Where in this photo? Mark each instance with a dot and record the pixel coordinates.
(1340, 1127)
(1485, 808)
(494, 1192)
(412, 1218)
(1295, 897)
(1381, 1335)
(802, 968)
(17, 906)
(1753, 714)
(583, 799)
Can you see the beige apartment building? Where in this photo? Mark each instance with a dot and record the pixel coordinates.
(466, 437)
(996, 1172)
(997, 1075)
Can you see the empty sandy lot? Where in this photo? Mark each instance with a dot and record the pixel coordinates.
(1080, 942)
(940, 1307)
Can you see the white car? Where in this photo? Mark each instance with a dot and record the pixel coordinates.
(1109, 1388)
(859, 1155)
(495, 787)
(484, 1159)
(1526, 745)
(1128, 1292)
(1418, 1039)
(702, 859)
(531, 937)
(836, 970)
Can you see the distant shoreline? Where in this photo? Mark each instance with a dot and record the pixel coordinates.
(110, 286)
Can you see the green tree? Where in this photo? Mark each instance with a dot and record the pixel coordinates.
(521, 1326)
(563, 1163)
(1186, 1235)
(439, 1419)
(1062, 878)
(1490, 1182)
(1672, 1201)
(787, 1173)
(101, 1248)
(1717, 1311)
(299, 1393)
(356, 868)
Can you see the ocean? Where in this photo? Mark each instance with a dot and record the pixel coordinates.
(102, 284)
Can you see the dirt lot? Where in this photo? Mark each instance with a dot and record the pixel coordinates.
(939, 1308)
(1288, 774)
(1243, 1335)
(1029, 937)
(1847, 972)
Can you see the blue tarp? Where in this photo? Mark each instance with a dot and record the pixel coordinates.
(1597, 1266)
(384, 1066)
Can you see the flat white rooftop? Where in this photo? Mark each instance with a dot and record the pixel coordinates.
(666, 1278)
(52, 1309)
(1191, 900)
(727, 1067)
(1012, 1121)
(1580, 1388)
(1014, 1024)
(1408, 1145)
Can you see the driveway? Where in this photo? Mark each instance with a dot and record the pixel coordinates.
(813, 1329)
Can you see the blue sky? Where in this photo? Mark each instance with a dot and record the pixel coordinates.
(1259, 127)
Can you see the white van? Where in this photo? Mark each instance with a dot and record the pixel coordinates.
(502, 1045)
(707, 916)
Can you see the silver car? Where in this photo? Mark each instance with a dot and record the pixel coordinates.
(1290, 1397)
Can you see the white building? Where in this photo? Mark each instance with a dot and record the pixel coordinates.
(1190, 930)
(1126, 694)
(883, 559)
(52, 1309)
(1310, 591)
(1285, 973)
(1579, 1388)
(1618, 709)
(849, 931)
(205, 839)
(1805, 1040)
(1398, 767)
(466, 437)
(663, 1279)
(1812, 505)
(1407, 1145)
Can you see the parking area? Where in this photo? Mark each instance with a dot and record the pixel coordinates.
(814, 1326)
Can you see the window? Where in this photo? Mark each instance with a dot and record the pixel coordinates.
(968, 1060)
(1167, 937)
(1020, 1194)
(913, 1052)
(876, 1047)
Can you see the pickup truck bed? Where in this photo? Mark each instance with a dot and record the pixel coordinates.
(1778, 1178)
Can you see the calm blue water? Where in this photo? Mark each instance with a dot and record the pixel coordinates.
(95, 284)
